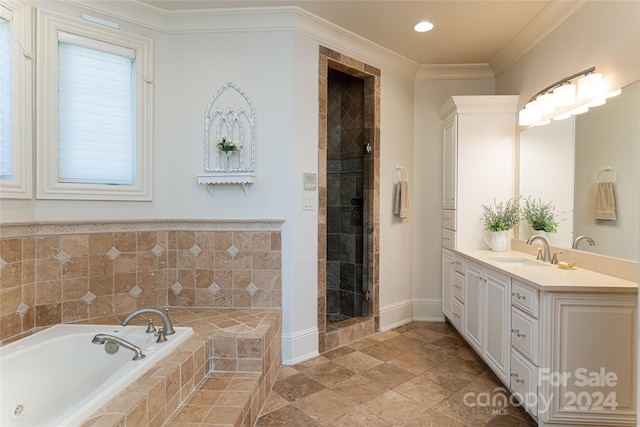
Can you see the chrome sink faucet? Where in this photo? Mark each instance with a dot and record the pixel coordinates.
(545, 242)
(167, 327)
(107, 339)
(579, 238)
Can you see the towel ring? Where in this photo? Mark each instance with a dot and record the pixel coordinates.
(399, 170)
(603, 170)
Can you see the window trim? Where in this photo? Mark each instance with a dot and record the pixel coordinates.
(49, 24)
(21, 184)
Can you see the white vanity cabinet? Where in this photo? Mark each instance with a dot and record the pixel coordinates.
(486, 316)
(566, 350)
(525, 338)
(453, 288)
(588, 358)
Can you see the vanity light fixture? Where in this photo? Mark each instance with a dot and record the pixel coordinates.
(566, 96)
(423, 27)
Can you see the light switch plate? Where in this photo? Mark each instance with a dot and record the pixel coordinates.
(308, 202)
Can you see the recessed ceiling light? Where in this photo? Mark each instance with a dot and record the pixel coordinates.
(423, 27)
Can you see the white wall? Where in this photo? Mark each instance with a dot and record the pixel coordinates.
(396, 235)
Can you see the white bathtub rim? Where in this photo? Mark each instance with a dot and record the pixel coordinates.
(121, 379)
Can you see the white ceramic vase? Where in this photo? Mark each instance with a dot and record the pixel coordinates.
(499, 240)
(228, 155)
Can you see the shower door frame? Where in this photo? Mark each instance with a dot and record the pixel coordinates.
(330, 59)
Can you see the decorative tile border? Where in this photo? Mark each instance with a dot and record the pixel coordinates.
(74, 227)
(345, 165)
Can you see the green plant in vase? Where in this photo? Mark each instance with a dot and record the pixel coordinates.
(501, 216)
(540, 216)
(228, 147)
(499, 219)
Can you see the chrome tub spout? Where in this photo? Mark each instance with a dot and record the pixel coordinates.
(167, 327)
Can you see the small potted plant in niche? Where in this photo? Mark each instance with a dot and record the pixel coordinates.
(498, 220)
(540, 216)
(228, 147)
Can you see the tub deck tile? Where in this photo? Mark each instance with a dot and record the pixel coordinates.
(243, 346)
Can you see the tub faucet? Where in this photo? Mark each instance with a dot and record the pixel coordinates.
(545, 242)
(167, 327)
(587, 238)
(106, 339)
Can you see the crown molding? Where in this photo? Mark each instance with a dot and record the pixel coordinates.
(283, 18)
(454, 72)
(547, 21)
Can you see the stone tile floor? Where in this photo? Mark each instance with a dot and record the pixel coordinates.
(417, 375)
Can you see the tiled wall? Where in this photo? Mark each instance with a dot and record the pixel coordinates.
(345, 164)
(61, 273)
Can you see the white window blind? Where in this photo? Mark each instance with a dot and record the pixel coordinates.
(96, 112)
(6, 101)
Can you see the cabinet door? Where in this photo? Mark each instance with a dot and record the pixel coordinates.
(447, 279)
(449, 163)
(592, 339)
(498, 323)
(474, 306)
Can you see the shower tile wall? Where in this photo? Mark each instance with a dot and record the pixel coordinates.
(345, 142)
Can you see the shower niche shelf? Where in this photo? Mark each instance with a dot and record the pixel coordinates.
(230, 114)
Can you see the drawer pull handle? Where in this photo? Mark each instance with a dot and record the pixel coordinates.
(517, 295)
(517, 379)
(445, 238)
(518, 333)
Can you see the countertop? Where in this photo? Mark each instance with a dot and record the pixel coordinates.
(548, 277)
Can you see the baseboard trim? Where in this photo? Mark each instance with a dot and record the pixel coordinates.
(299, 346)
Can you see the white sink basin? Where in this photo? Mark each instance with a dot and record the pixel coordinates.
(519, 262)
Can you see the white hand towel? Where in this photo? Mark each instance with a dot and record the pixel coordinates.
(605, 202)
(402, 207)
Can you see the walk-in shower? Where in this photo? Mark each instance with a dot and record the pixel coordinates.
(348, 212)
(346, 275)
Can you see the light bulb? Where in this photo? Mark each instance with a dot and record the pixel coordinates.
(597, 102)
(547, 103)
(590, 86)
(580, 110)
(423, 27)
(565, 95)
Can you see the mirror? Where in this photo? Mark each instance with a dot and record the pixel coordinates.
(560, 162)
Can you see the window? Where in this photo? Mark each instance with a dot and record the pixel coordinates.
(94, 116)
(6, 100)
(96, 100)
(16, 100)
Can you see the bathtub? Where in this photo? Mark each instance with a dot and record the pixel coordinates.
(58, 377)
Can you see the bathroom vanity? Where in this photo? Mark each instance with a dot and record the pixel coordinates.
(562, 341)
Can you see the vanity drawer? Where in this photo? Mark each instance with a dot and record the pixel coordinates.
(448, 239)
(458, 264)
(457, 311)
(525, 297)
(449, 219)
(523, 382)
(524, 334)
(458, 283)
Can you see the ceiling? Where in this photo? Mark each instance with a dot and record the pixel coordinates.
(465, 32)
